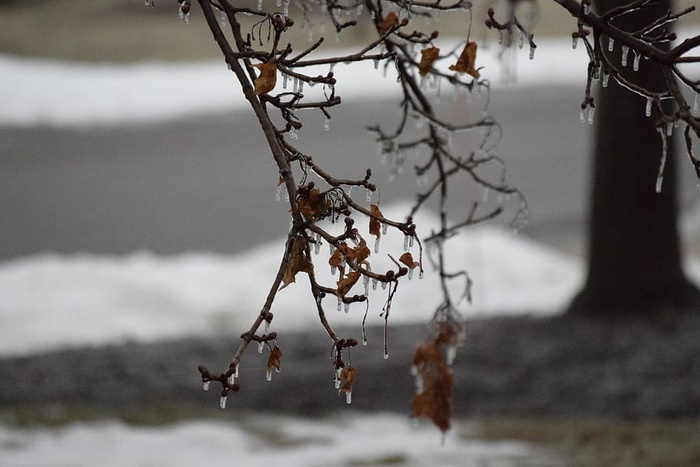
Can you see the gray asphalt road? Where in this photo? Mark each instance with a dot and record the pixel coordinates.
(207, 183)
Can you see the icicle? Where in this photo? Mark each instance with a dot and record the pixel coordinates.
(326, 124)
(336, 379)
(586, 8)
(301, 86)
(205, 385)
(635, 63)
(340, 304)
(532, 53)
(696, 103)
(346, 307)
(365, 282)
(285, 79)
(662, 163)
(521, 40)
(611, 44)
(625, 52)
(279, 3)
(405, 242)
(261, 346)
(278, 192)
(501, 36)
(184, 16)
(266, 327)
(260, 5)
(606, 79)
(268, 374)
(669, 129)
(376, 243)
(451, 354)
(285, 11)
(317, 245)
(582, 116)
(386, 353)
(293, 133)
(374, 283)
(410, 274)
(385, 228)
(574, 42)
(420, 274)
(231, 379)
(647, 111)
(222, 402)
(286, 195)
(591, 113)
(222, 21)
(359, 9)
(383, 285)
(368, 196)
(410, 241)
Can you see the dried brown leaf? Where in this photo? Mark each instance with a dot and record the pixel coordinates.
(466, 61)
(313, 205)
(347, 374)
(375, 227)
(274, 360)
(435, 399)
(427, 58)
(345, 284)
(267, 79)
(298, 262)
(407, 259)
(390, 20)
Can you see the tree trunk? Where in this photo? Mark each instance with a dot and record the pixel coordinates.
(634, 262)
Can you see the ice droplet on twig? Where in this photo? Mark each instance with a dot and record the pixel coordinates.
(374, 284)
(285, 11)
(268, 374)
(376, 243)
(369, 196)
(260, 5)
(591, 114)
(696, 103)
(611, 44)
(205, 385)
(647, 110)
(222, 21)
(635, 62)
(222, 402)
(326, 124)
(348, 397)
(261, 346)
(574, 42)
(582, 116)
(625, 52)
(606, 79)
(532, 53)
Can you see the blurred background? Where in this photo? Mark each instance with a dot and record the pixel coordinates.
(139, 231)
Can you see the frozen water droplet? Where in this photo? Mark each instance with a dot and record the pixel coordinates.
(374, 284)
(410, 274)
(696, 103)
(376, 244)
(586, 8)
(406, 242)
(582, 116)
(285, 11)
(266, 327)
(205, 385)
(574, 42)
(383, 285)
(625, 52)
(420, 274)
(591, 114)
(369, 196)
(386, 354)
(385, 227)
(326, 124)
(669, 129)
(261, 346)
(346, 307)
(268, 374)
(348, 397)
(293, 133)
(451, 354)
(647, 111)
(222, 19)
(340, 304)
(635, 63)
(532, 53)
(317, 246)
(521, 40)
(606, 79)
(260, 5)
(611, 44)
(501, 36)
(278, 192)
(222, 402)
(285, 79)
(231, 379)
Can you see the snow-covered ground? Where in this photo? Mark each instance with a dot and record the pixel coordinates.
(49, 301)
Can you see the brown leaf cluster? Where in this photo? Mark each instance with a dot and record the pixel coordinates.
(313, 204)
(466, 61)
(427, 58)
(346, 283)
(267, 79)
(435, 399)
(274, 360)
(353, 256)
(298, 262)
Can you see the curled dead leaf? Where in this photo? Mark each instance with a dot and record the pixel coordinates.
(298, 262)
(434, 400)
(466, 61)
(345, 284)
(267, 79)
(390, 20)
(313, 205)
(427, 58)
(274, 360)
(375, 227)
(407, 259)
(347, 375)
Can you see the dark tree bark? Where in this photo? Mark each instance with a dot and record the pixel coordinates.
(634, 248)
